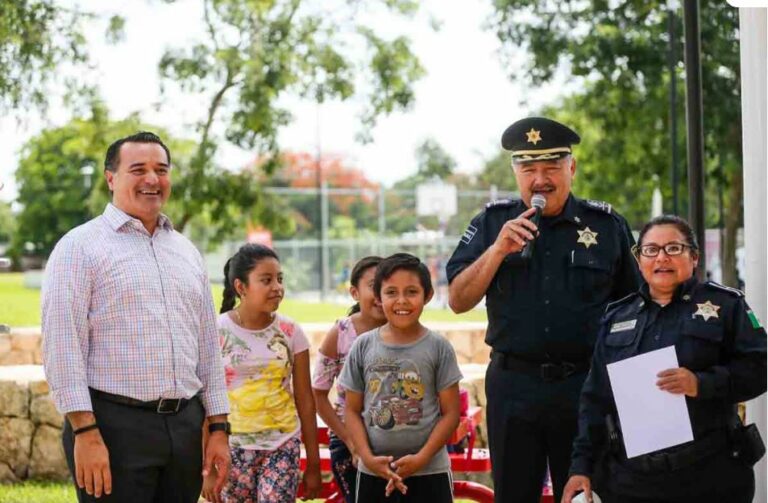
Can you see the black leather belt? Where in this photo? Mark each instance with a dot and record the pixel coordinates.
(682, 456)
(547, 371)
(161, 406)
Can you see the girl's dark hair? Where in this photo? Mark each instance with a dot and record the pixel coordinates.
(238, 267)
(677, 222)
(402, 262)
(360, 268)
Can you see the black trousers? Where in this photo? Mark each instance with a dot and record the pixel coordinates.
(153, 458)
(719, 478)
(531, 424)
(436, 488)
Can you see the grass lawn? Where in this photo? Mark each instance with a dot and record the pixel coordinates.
(20, 307)
(45, 492)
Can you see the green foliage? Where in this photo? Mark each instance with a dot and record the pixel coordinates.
(36, 38)
(253, 54)
(55, 191)
(7, 222)
(433, 161)
(618, 54)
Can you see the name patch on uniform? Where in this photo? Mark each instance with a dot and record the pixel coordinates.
(623, 325)
(469, 234)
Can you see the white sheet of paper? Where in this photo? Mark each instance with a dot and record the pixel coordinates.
(651, 419)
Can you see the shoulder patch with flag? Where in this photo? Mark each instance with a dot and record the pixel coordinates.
(752, 318)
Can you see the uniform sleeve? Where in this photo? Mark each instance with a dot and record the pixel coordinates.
(472, 244)
(448, 372)
(66, 299)
(743, 374)
(594, 403)
(210, 368)
(353, 374)
(627, 279)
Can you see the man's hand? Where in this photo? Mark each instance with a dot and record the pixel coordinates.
(575, 484)
(408, 465)
(677, 381)
(209, 487)
(516, 233)
(217, 456)
(92, 471)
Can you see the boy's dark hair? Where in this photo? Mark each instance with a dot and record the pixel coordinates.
(360, 268)
(677, 222)
(112, 160)
(238, 267)
(402, 262)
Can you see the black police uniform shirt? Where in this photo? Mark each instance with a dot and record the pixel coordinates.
(715, 335)
(547, 308)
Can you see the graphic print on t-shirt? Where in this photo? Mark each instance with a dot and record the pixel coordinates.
(397, 394)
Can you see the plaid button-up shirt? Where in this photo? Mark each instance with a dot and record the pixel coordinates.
(131, 314)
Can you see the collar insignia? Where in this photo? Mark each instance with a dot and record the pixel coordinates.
(533, 136)
(707, 310)
(587, 237)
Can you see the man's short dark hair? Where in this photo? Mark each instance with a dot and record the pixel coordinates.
(112, 160)
(402, 262)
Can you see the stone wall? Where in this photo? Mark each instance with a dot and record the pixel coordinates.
(22, 345)
(30, 427)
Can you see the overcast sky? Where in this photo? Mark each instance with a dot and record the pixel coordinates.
(464, 102)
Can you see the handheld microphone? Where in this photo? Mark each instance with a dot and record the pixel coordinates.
(537, 201)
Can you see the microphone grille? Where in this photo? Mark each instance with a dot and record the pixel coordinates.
(538, 201)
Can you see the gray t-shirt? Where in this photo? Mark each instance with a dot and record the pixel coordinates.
(400, 384)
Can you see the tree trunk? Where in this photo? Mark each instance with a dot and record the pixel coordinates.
(732, 221)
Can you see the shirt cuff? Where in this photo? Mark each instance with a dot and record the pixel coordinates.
(215, 403)
(72, 400)
(580, 466)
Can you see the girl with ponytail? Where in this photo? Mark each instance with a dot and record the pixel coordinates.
(366, 314)
(266, 363)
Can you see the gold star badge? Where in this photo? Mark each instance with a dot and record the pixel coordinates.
(587, 237)
(533, 136)
(707, 310)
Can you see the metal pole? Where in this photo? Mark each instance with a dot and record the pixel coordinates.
(324, 239)
(382, 220)
(752, 32)
(673, 104)
(320, 230)
(694, 126)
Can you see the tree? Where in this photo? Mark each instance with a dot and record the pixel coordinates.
(60, 177)
(433, 161)
(7, 222)
(257, 52)
(618, 53)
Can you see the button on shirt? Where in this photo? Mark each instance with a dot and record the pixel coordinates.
(715, 336)
(548, 308)
(130, 314)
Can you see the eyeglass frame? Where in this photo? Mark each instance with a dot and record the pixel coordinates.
(637, 250)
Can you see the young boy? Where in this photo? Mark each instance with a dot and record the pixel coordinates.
(402, 394)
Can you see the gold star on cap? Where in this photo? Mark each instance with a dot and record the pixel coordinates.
(707, 310)
(587, 237)
(533, 136)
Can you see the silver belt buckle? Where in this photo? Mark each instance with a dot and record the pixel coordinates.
(161, 409)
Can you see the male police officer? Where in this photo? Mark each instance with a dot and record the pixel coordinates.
(543, 311)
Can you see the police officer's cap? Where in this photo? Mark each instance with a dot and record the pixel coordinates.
(538, 139)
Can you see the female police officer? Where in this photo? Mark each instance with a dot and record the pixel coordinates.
(721, 349)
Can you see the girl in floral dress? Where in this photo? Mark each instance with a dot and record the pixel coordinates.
(266, 362)
(365, 315)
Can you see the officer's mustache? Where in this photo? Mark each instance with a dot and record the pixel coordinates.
(542, 188)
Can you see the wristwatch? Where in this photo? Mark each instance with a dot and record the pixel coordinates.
(225, 427)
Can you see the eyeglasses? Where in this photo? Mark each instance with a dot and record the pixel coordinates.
(671, 249)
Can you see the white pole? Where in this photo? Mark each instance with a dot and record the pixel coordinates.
(752, 29)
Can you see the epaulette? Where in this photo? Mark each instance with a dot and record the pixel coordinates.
(612, 306)
(734, 291)
(598, 205)
(501, 203)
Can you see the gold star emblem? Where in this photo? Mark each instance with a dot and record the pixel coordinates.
(707, 310)
(587, 237)
(533, 136)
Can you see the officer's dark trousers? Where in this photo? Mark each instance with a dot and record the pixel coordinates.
(153, 458)
(530, 423)
(717, 479)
